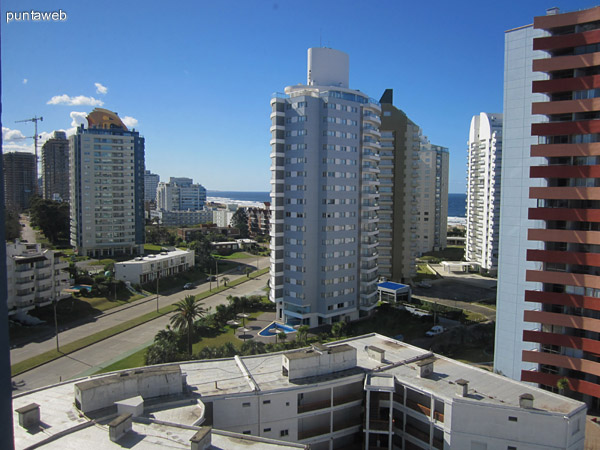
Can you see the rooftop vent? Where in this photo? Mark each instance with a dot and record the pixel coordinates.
(120, 426)
(29, 415)
(376, 353)
(553, 11)
(425, 367)
(462, 387)
(526, 401)
(202, 439)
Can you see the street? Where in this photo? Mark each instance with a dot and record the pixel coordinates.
(90, 359)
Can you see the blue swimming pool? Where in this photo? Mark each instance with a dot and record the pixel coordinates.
(269, 331)
(79, 287)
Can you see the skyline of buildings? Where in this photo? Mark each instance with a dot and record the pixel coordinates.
(483, 191)
(107, 187)
(180, 194)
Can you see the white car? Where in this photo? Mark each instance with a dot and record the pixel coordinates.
(435, 330)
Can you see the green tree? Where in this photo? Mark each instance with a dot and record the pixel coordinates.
(240, 221)
(225, 280)
(247, 271)
(562, 385)
(202, 253)
(52, 218)
(186, 312)
(302, 334)
(12, 225)
(338, 329)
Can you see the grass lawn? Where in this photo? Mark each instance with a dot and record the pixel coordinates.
(424, 273)
(104, 304)
(236, 255)
(450, 253)
(152, 248)
(134, 360)
(474, 317)
(102, 262)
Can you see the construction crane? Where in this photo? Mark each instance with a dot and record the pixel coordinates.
(35, 120)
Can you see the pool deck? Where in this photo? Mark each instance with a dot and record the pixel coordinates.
(258, 324)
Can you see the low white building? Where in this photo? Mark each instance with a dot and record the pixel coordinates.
(35, 277)
(143, 269)
(365, 392)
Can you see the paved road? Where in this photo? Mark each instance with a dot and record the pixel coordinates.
(90, 359)
(489, 313)
(121, 314)
(27, 233)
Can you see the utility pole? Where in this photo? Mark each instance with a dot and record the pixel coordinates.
(157, 276)
(35, 120)
(54, 302)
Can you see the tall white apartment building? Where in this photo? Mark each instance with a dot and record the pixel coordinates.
(180, 194)
(515, 201)
(324, 166)
(35, 277)
(151, 181)
(483, 191)
(432, 195)
(106, 172)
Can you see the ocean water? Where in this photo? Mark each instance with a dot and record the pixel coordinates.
(457, 203)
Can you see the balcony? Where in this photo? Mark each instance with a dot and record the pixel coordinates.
(356, 422)
(347, 399)
(379, 425)
(313, 406)
(418, 408)
(313, 432)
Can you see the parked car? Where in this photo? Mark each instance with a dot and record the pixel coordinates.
(188, 286)
(211, 278)
(424, 284)
(435, 330)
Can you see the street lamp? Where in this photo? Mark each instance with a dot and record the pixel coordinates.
(54, 302)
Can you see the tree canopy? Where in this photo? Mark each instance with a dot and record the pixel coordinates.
(240, 221)
(187, 311)
(52, 218)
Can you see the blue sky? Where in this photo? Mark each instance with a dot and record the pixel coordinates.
(195, 77)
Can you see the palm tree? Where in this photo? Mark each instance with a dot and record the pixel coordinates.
(225, 280)
(247, 271)
(186, 312)
(302, 334)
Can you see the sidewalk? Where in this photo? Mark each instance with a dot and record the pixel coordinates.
(111, 318)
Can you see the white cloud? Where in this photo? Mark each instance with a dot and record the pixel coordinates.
(74, 101)
(100, 89)
(77, 118)
(25, 80)
(9, 134)
(129, 122)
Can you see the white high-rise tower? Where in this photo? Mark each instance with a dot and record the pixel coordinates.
(324, 235)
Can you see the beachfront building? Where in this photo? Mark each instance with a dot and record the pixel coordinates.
(483, 191)
(55, 168)
(180, 194)
(151, 181)
(107, 187)
(181, 218)
(35, 277)
(145, 269)
(368, 392)
(324, 191)
(259, 219)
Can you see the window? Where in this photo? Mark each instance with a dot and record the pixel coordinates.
(247, 432)
(510, 447)
(512, 419)
(245, 405)
(266, 430)
(266, 402)
(283, 433)
(387, 113)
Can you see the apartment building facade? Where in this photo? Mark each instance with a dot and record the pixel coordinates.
(55, 168)
(368, 392)
(398, 200)
(515, 202)
(20, 179)
(324, 190)
(180, 194)
(565, 308)
(151, 181)
(107, 187)
(35, 277)
(483, 191)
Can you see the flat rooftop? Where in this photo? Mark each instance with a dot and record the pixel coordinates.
(224, 377)
(157, 257)
(391, 285)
